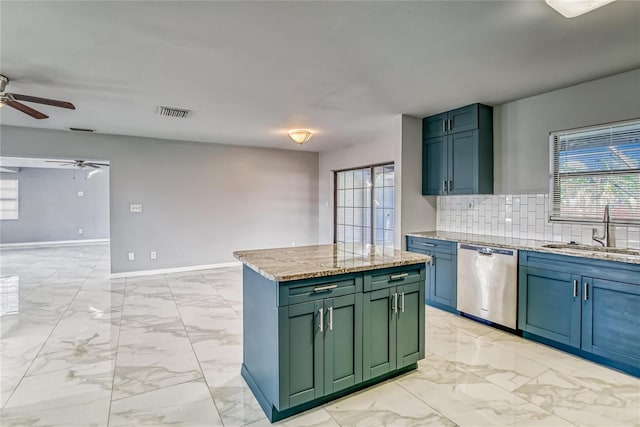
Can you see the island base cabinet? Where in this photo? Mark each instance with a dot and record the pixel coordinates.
(611, 320)
(323, 348)
(393, 335)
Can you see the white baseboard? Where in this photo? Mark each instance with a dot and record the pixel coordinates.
(174, 270)
(53, 243)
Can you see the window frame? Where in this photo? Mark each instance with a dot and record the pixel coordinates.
(554, 180)
(372, 190)
(16, 200)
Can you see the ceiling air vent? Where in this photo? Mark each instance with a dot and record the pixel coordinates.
(173, 112)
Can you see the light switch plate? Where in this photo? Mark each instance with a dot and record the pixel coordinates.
(135, 208)
(80, 193)
(154, 255)
(132, 256)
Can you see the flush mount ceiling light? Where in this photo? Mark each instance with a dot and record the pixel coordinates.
(573, 8)
(300, 136)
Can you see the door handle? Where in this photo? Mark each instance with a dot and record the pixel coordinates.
(402, 302)
(330, 318)
(586, 291)
(324, 288)
(398, 276)
(395, 302)
(575, 288)
(321, 320)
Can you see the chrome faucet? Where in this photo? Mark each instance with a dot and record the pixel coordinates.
(604, 240)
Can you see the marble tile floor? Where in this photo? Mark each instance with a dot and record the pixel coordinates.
(80, 349)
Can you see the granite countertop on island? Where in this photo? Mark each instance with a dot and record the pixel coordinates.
(306, 262)
(525, 245)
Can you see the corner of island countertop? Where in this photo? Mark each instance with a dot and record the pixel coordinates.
(307, 262)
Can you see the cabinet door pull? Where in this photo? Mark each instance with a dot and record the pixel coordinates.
(402, 302)
(444, 126)
(586, 291)
(324, 288)
(432, 261)
(330, 318)
(444, 186)
(395, 302)
(575, 288)
(321, 320)
(450, 124)
(398, 276)
(449, 185)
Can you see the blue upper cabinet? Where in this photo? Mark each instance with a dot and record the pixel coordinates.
(457, 151)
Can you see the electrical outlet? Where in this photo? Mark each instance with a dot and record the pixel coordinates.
(80, 231)
(132, 256)
(135, 208)
(80, 193)
(154, 255)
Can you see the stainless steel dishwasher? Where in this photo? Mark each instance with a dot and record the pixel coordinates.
(488, 283)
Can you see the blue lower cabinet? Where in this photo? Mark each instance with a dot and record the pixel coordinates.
(565, 302)
(442, 284)
(549, 305)
(611, 320)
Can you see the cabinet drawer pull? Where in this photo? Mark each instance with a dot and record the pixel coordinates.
(586, 291)
(427, 244)
(402, 302)
(330, 318)
(324, 288)
(575, 288)
(398, 276)
(321, 320)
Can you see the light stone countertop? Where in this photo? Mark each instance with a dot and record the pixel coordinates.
(306, 262)
(526, 245)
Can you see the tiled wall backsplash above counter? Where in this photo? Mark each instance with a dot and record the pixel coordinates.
(522, 216)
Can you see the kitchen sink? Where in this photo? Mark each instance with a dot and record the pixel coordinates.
(575, 247)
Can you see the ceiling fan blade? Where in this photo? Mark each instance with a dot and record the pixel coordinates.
(60, 162)
(92, 165)
(100, 164)
(27, 110)
(54, 102)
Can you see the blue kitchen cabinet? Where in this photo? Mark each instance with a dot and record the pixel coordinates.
(457, 152)
(586, 306)
(441, 283)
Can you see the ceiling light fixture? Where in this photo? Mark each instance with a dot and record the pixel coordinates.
(573, 8)
(300, 136)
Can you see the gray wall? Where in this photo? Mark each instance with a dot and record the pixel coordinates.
(418, 211)
(386, 147)
(51, 210)
(200, 201)
(521, 128)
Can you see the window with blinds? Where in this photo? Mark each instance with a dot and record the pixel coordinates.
(8, 199)
(594, 167)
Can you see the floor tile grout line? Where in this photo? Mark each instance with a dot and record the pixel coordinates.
(115, 362)
(44, 343)
(204, 377)
(424, 401)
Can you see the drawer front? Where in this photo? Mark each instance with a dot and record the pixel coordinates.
(425, 244)
(315, 290)
(388, 277)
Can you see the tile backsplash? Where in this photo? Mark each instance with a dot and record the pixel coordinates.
(524, 216)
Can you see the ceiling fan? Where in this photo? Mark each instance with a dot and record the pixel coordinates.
(80, 164)
(11, 99)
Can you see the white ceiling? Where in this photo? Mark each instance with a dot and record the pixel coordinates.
(252, 70)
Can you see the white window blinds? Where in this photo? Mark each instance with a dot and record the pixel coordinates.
(593, 167)
(8, 199)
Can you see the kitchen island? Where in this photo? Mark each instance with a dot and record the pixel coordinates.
(320, 322)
